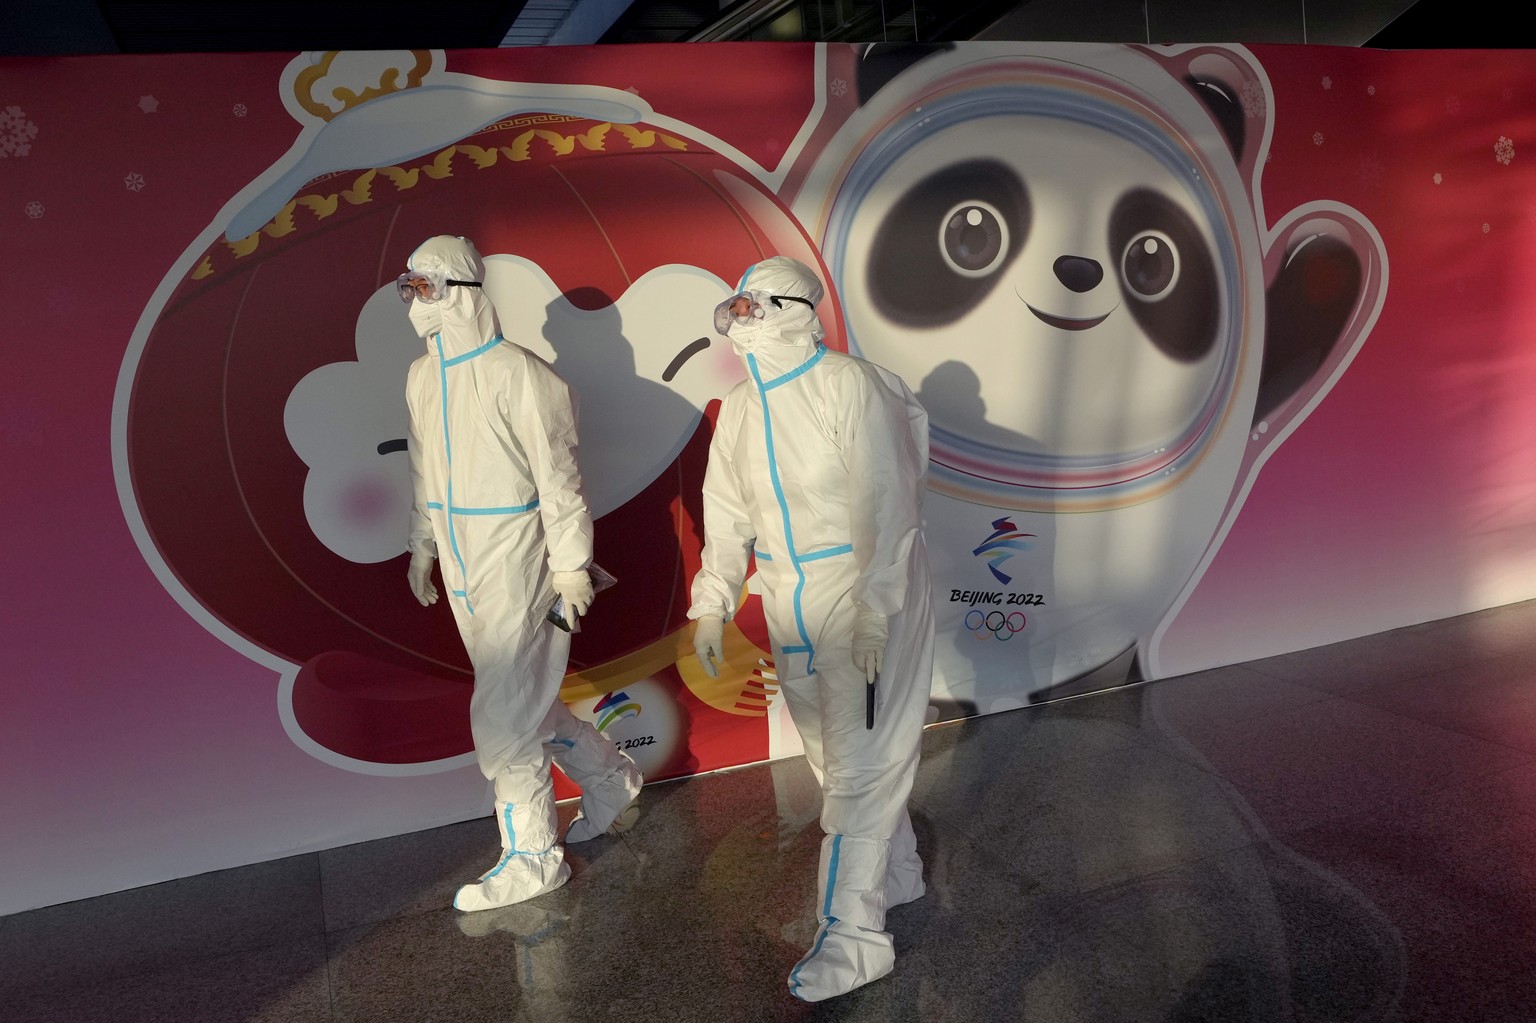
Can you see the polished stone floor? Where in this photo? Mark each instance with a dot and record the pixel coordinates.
(1346, 833)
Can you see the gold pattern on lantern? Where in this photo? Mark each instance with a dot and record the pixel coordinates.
(441, 165)
(361, 190)
(324, 204)
(389, 81)
(400, 177)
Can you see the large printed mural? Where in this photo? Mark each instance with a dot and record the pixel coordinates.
(1070, 264)
(1143, 292)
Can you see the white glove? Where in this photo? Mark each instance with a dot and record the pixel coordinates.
(420, 576)
(709, 643)
(575, 588)
(870, 631)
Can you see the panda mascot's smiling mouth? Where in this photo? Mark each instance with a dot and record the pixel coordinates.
(1068, 323)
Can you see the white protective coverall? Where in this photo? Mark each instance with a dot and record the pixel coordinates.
(817, 463)
(498, 500)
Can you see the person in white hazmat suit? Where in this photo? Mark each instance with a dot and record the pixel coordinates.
(817, 465)
(498, 502)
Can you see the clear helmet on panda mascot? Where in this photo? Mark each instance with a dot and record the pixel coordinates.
(1063, 250)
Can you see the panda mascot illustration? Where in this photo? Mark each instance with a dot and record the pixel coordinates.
(1063, 249)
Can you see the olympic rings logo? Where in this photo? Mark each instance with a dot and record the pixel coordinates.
(1002, 627)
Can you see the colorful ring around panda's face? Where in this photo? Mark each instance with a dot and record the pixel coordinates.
(1054, 266)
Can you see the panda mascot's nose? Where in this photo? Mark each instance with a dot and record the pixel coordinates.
(1078, 273)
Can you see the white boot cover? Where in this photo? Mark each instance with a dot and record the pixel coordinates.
(603, 805)
(609, 779)
(904, 874)
(531, 863)
(852, 946)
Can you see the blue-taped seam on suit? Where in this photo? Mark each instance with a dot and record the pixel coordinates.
(817, 464)
(495, 479)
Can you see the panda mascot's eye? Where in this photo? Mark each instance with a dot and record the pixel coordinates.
(942, 244)
(1150, 265)
(974, 238)
(1167, 273)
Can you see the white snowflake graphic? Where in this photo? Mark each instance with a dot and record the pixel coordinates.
(1438, 178)
(1504, 150)
(1453, 104)
(16, 132)
(134, 182)
(1253, 99)
(838, 87)
(1370, 90)
(34, 209)
(240, 110)
(1487, 227)
(1317, 138)
(148, 104)
(1327, 82)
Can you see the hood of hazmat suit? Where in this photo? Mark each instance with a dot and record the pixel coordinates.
(463, 315)
(498, 500)
(817, 469)
(776, 301)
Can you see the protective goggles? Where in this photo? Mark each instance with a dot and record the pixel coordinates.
(747, 306)
(427, 285)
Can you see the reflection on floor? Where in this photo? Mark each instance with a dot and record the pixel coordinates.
(1341, 834)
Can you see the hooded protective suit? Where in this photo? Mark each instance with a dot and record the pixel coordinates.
(498, 501)
(817, 464)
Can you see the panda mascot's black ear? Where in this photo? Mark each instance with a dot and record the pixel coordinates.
(881, 62)
(1324, 266)
(1223, 100)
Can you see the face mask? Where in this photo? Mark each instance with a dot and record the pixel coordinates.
(745, 337)
(427, 318)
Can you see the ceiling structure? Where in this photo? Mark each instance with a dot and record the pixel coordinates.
(66, 27)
